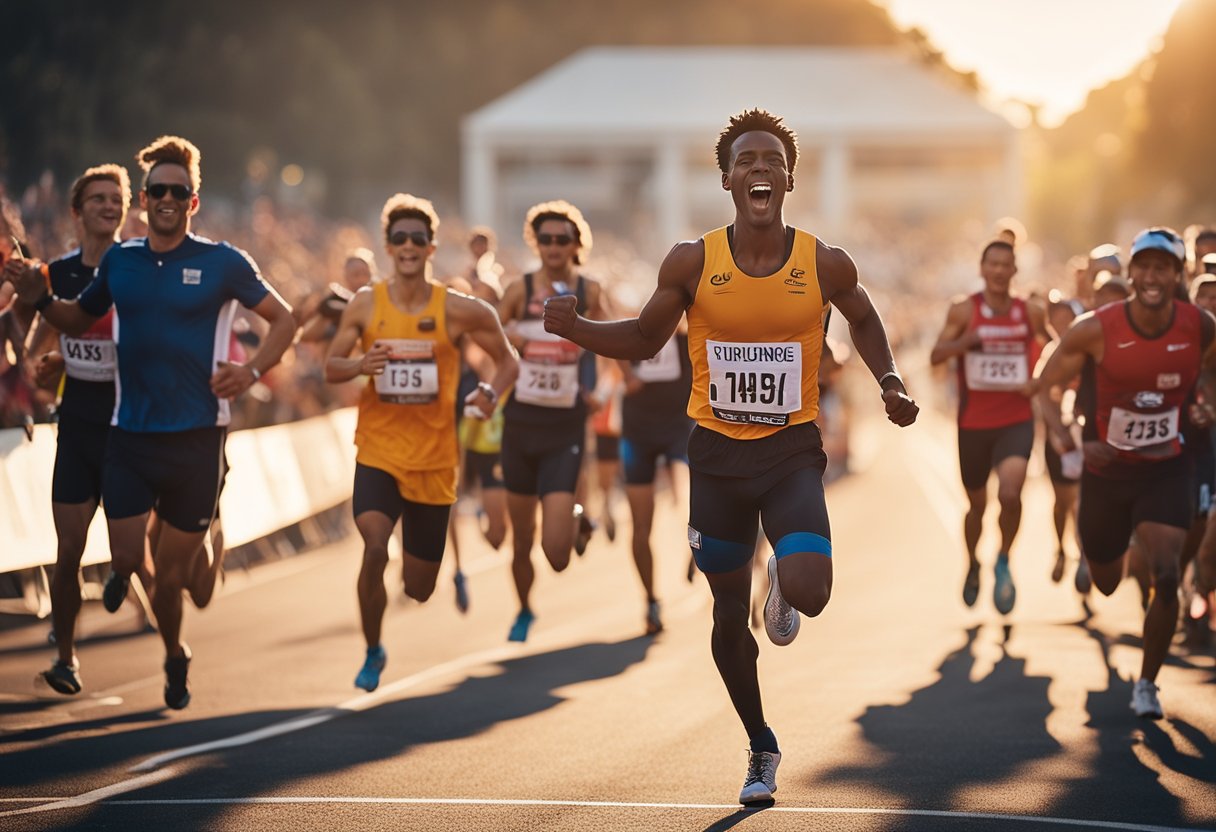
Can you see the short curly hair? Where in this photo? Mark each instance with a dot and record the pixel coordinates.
(172, 150)
(750, 121)
(558, 209)
(399, 206)
(107, 173)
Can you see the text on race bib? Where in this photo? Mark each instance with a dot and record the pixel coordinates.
(88, 359)
(994, 371)
(411, 375)
(548, 368)
(665, 366)
(754, 383)
(1131, 431)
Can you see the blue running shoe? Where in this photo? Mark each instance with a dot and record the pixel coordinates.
(462, 592)
(523, 622)
(1003, 591)
(369, 676)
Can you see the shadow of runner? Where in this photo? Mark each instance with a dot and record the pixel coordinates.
(1117, 785)
(735, 818)
(954, 734)
(525, 687)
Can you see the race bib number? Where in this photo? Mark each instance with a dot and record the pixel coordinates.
(757, 384)
(665, 366)
(548, 368)
(1132, 431)
(993, 371)
(88, 359)
(411, 375)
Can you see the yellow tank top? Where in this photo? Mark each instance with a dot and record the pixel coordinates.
(755, 342)
(407, 415)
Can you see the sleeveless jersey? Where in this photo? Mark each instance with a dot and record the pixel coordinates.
(552, 370)
(990, 375)
(1143, 383)
(755, 342)
(407, 414)
(90, 359)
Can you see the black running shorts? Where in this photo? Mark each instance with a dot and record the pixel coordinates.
(1110, 509)
(79, 460)
(486, 468)
(539, 460)
(980, 451)
(424, 528)
(640, 456)
(179, 474)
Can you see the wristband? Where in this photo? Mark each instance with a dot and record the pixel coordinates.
(43, 302)
(485, 387)
(886, 376)
(256, 375)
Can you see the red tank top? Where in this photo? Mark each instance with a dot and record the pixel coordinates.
(990, 375)
(1143, 383)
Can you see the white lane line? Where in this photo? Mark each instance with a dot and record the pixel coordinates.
(615, 804)
(97, 795)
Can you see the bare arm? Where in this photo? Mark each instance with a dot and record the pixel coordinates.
(955, 339)
(231, 379)
(339, 366)
(477, 319)
(634, 339)
(1081, 341)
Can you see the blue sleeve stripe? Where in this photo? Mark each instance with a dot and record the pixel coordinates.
(803, 542)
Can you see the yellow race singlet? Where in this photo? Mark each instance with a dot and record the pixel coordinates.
(407, 414)
(755, 342)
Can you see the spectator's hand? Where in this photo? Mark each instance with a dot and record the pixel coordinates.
(231, 380)
(47, 368)
(375, 360)
(560, 315)
(26, 277)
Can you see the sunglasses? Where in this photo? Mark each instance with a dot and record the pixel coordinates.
(554, 239)
(180, 192)
(418, 238)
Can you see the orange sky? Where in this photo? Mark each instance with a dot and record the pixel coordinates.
(1046, 51)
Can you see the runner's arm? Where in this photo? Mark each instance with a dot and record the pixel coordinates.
(480, 321)
(955, 339)
(1082, 340)
(339, 366)
(230, 379)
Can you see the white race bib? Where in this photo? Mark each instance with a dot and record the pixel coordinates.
(665, 366)
(548, 368)
(754, 383)
(1131, 431)
(88, 359)
(411, 375)
(995, 371)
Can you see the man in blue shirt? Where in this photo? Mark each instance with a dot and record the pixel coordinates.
(174, 296)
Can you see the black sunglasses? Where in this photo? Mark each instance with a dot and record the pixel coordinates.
(418, 238)
(554, 239)
(180, 192)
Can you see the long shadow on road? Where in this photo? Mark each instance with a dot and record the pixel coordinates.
(525, 687)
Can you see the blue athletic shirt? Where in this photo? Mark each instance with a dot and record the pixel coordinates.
(173, 315)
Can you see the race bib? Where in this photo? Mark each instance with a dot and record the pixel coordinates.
(88, 359)
(1132, 431)
(411, 375)
(994, 371)
(665, 366)
(754, 383)
(548, 368)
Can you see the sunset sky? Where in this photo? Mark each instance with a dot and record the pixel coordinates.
(1046, 51)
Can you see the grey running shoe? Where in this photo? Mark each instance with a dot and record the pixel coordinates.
(761, 780)
(781, 621)
(1144, 700)
(115, 591)
(1082, 580)
(462, 591)
(63, 678)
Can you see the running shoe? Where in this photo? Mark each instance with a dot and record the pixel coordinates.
(462, 592)
(519, 629)
(177, 694)
(781, 621)
(1057, 569)
(115, 591)
(585, 527)
(971, 585)
(654, 622)
(1145, 703)
(610, 527)
(1003, 591)
(1082, 580)
(369, 675)
(63, 678)
(761, 780)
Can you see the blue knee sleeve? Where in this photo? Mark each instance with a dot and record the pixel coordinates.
(715, 556)
(802, 542)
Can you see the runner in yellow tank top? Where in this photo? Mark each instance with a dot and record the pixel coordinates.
(410, 329)
(754, 293)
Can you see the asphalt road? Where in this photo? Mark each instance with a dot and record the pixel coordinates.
(898, 708)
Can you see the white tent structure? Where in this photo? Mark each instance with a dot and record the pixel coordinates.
(627, 134)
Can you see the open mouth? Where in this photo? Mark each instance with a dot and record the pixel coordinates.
(760, 195)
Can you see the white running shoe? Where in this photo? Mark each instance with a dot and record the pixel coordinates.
(761, 780)
(781, 621)
(1144, 700)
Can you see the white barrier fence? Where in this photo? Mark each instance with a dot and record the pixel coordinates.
(279, 476)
